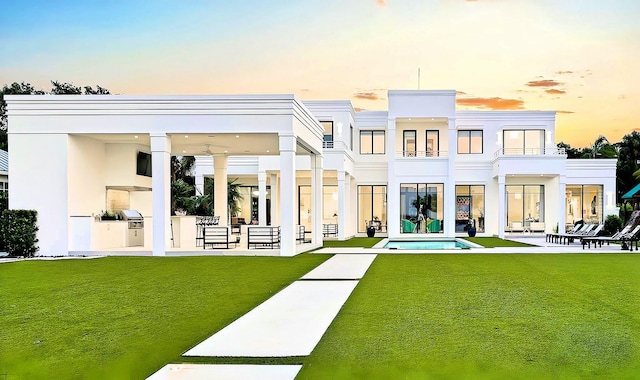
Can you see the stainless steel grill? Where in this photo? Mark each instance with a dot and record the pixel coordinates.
(135, 230)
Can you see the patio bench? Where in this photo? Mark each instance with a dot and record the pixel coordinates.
(329, 230)
(263, 237)
(215, 235)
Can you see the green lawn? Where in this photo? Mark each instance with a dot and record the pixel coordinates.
(364, 242)
(124, 318)
(487, 317)
(492, 242)
(574, 316)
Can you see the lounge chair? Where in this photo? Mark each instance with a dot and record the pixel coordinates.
(561, 238)
(622, 236)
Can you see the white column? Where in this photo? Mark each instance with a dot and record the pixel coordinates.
(562, 202)
(502, 192)
(393, 187)
(275, 201)
(316, 198)
(287, 194)
(450, 183)
(342, 214)
(262, 198)
(349, 212)
(220, 189)
(161, 191)
(199, 183)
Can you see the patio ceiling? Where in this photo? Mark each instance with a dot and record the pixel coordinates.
(231, 144)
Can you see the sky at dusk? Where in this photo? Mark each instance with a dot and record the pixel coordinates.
(578, 57)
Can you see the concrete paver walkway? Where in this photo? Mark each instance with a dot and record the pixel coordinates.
(226, 371)
(291, 323)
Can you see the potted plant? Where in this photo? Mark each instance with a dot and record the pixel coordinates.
(472, 228)
(371, 228)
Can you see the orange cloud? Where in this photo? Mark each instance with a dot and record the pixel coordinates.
(367, 96)
(554, 91)
(566, 112)
(543, 83)
(461, 93)
(358, 109)
(492, 103)
(381, 3)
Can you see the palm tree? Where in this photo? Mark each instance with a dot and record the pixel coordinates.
(602, 148)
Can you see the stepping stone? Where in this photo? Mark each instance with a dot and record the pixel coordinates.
(342, 267)
(226, 371)
(290, 323)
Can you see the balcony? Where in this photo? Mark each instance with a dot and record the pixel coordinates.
(423, 154)
(530, 152)
(527, 162)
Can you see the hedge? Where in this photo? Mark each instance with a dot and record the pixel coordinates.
(18, 231)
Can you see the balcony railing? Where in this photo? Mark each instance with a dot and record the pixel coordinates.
(530, 152)
(421, 154)
(334, 145)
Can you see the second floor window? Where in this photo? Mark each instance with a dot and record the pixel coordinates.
(469, 142)
(528, 141)
(372, 142)
(328, 130)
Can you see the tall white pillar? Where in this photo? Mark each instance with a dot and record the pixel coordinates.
(275, 201)
(287, 144)
(262, 198)
(393, 187)
(316, 198)
(161, 191)
(502, 199)
(349, 213)
(562, 202)
(342, 212)
(450, 183)
(220, 189)
(199, 182)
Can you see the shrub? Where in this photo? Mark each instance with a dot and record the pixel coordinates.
(18, 229)
(612, 224)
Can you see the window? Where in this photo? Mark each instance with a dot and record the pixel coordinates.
(469, 142)
(517, 142)
(328, 130)
(372, 142)
(525, 204)
(372, 207)
(584, 202)
(421, 207)
(469, 205)
(433, 144)
(409, 142)
(4, 186)
(351, 137)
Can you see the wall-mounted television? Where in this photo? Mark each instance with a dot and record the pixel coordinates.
(143, 164)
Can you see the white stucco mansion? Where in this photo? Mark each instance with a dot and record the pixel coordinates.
(419, 170)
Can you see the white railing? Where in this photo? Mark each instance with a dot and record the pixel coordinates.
(334, 145)
(422, 154)
(530, 152)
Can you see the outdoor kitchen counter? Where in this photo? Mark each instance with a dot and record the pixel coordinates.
(184, 231)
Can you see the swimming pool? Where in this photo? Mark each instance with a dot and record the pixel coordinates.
(426, 244)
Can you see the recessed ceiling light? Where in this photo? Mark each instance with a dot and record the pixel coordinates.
(267, 150)
(184, 151)
(135, 137)
(225, 151)
(237, 136)
(186, 136)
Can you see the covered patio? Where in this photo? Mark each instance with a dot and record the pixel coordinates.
(89, 146)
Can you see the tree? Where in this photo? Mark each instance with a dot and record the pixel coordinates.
(27, 89)
(571, 152)
(15, 89)
(628, 157)
(602, 148)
